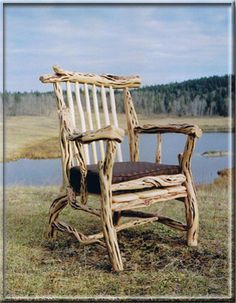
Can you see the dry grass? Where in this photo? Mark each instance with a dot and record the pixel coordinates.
(36, 137)
(157, 261)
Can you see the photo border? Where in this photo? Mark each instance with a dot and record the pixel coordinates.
(230, 298)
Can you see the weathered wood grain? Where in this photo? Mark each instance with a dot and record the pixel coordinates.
(186, 129)
(106, 79)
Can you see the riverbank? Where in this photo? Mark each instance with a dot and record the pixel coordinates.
(36, 137)
(157, 261)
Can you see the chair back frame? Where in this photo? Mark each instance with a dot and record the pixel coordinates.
(90, 100)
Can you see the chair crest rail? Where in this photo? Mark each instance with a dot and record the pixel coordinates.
(105, 80)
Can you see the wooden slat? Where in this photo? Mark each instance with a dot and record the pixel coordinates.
(139, 203)
(96, 110)
(115, 120)
(72, 114)
(90, 121)
(132, 123)
(104, 105)
(70, 103)
(149, 182)
(82, 119)
(158, 153)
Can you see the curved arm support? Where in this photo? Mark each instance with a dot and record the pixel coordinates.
(109, 132)
(185, 128)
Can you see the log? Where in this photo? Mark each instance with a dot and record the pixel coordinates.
(186, 129)
(121, 205)
(158, 152)
(150, 182)
(99, 80)
(65, 146)
(109, 231)
(56, 207)
(109, 132)
(191, 206)
(132, 123)
(63, 227)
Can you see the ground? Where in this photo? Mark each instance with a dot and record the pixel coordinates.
(157, 261)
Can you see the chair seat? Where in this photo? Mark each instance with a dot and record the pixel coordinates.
(122, 172)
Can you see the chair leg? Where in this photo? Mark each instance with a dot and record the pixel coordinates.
(116, 218)
(110, 234)
(192, 217)
(56, 207)
(109, 231)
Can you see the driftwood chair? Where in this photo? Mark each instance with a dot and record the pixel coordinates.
(122, 186)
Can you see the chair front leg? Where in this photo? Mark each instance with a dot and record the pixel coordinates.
(192, 216)
(56, 207)
(109, 231)
(191, 206)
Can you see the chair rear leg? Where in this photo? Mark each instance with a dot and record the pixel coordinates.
(116, 217)
(56, 207)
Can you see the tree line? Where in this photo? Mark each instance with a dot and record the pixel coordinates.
(208, 96)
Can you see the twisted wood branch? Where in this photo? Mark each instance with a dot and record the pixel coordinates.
(105, 174)
(132, 123)
(191, 206)
(109, 132)
(105, 80)
(186, 129)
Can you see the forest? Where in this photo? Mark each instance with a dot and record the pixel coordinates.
(207, 96)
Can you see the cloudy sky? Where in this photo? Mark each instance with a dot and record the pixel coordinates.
(161, 43)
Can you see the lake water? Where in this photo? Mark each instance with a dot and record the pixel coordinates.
(48, 172)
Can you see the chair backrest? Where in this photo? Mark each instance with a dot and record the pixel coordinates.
(91, 100)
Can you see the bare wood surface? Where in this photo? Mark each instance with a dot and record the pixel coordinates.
(57, 206)
(192, 216)
(109, 132)
(158, 152)
(63, 227)
(132, 123)
(145, 202)
(186, 129)
(83, 172)
(109, 231)
(155, 217)
(150, 182)
(65, 146)
(106, 79)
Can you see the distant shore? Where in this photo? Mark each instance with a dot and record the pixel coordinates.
(36, 137)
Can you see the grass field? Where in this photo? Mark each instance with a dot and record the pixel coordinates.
(157, 261)
(37, 137)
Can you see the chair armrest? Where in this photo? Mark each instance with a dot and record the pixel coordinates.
(186, 129)
(109, 132)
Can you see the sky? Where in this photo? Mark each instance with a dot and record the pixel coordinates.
(161, 43)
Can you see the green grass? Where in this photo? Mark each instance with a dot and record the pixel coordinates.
(157, 261)
(36, 137)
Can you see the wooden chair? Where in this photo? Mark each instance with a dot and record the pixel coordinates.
(122, 186)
